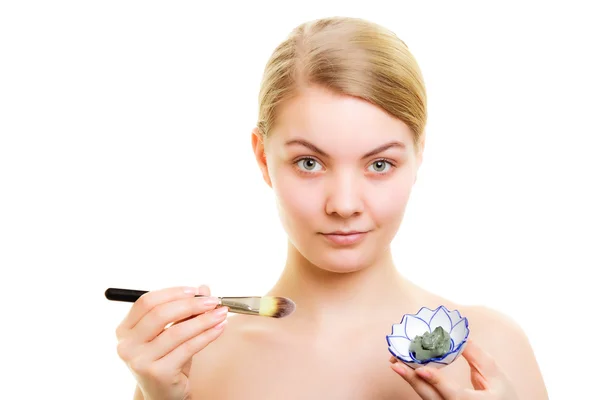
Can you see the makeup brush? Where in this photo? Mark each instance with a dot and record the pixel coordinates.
(267, 306)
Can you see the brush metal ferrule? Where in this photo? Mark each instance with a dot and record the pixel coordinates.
(241, 305)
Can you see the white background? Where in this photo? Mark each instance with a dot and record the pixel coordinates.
(125, 161)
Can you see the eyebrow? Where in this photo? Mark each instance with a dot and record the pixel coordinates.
(371, 153)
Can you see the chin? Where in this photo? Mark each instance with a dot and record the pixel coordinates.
(340, 260)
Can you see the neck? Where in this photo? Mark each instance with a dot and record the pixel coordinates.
(324, 297)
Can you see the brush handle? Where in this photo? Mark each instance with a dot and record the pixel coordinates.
(127, 295)
(235, 304)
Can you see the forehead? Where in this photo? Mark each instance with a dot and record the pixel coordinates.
(338, 122)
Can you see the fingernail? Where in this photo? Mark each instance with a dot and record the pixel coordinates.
(210, 301)
(423, 373)
(219, 312)
(399, 368)
(220, 325)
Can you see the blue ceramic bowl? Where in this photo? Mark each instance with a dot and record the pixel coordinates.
(426, 320)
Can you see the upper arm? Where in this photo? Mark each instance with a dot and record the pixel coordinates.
(508, 345)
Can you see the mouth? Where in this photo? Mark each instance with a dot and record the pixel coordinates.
(344, 233)
(345, 238)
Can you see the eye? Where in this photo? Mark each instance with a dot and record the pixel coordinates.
(308, 164)
(379, 166)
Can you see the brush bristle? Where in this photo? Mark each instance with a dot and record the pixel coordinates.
(276, 307)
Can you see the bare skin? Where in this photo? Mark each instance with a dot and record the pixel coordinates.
(302, 357)
(336, 165)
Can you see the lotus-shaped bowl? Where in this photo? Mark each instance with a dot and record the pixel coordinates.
(426, 320)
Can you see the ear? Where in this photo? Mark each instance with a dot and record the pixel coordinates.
(420, 151)
(258, 147)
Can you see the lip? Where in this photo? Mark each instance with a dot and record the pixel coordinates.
(345, 238)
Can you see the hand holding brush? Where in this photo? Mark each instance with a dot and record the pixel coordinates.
(159, 355)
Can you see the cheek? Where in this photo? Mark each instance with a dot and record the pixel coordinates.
(298, 199)
(388, 202)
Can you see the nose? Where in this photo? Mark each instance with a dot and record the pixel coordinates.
(344, 196)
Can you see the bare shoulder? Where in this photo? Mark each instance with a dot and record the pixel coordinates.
(233, 357)
(232, 344)
(506, 342)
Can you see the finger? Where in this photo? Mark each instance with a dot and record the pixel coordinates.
(423, 389)
(175, 336)
(154, 323)
(446, 387)
(151, 299)
(182, 354)
(483, 367)
(203, 291)
(478, 381)
(180, 321)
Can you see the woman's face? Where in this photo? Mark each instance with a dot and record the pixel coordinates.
(342, 170)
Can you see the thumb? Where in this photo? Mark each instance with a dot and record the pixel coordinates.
(484, 369)
(204, 290)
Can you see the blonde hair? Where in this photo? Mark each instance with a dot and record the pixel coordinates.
(349, 56)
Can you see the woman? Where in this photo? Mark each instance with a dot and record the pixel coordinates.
(339, 139)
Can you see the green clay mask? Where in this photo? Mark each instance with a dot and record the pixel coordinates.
(430, 345)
